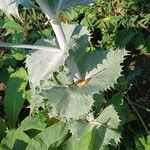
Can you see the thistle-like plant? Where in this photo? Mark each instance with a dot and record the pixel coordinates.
(69, 94)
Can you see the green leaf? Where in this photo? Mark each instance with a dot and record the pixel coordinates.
(79, 128)
(75, 144)
(142, 142)
(41, 63)
(36, 122)
(123, 37)
(147, 45)
(122, 108)
(107, 71)
(106, 131)
(89, 62)
(13, 25)
(54, 7)
(77, 38)
(14, 100)
(15, 139)
(48, 136)
(69, 101)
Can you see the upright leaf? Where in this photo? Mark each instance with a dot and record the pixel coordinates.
(14, 100)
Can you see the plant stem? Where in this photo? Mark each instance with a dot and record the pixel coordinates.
(62, 44)
(59, 33)
(26, 46)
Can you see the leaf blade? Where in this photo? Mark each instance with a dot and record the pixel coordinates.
(14, 100)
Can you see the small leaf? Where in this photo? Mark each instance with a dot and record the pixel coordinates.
(48, 136)
(13, 25)
(122, 108)
(14, 95)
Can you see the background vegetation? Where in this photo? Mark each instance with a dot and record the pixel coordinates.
(112, 24)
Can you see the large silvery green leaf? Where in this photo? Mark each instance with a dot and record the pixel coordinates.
(101, 67)
(41, 63)
(54, 7)
(109, 71)
(77, 38)
(70, 101)
(14, 99)
(10, 7)
(48, 136)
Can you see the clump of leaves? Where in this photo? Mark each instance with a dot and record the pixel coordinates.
(64, 74)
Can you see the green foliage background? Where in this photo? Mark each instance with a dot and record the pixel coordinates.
(112, 25)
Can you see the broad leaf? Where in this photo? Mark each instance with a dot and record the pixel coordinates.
(15, 139)
(79, 128)
(30, 122)
(14, 95)
(48, 136)
(54, 7)
(107, 72)
(107, 129)
(104, 131)
(41, 63)
(74, 144)
(69, 101)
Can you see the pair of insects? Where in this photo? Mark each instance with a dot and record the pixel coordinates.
(82, 83)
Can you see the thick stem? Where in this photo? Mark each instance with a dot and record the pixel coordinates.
(59, 33)
(62, 44)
